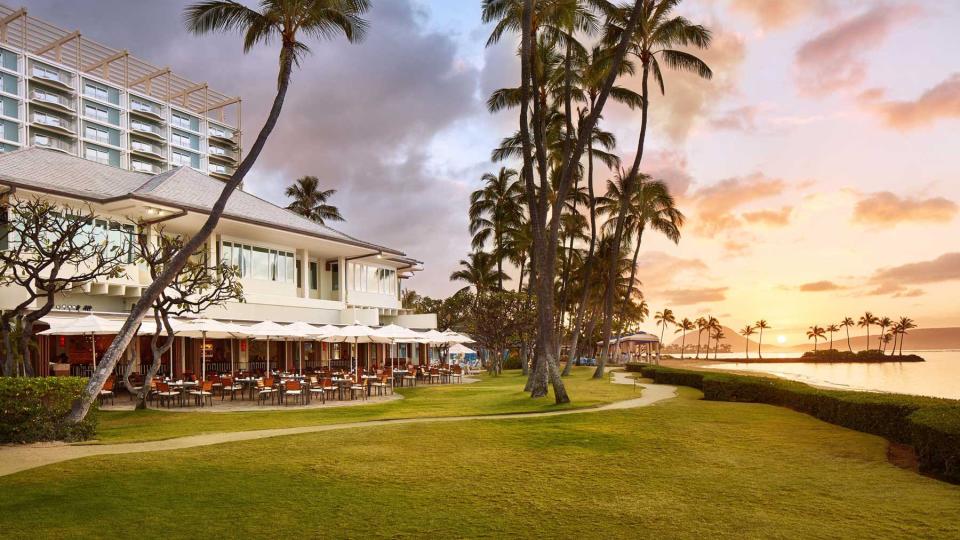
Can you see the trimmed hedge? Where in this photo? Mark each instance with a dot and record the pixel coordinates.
(930, 425)
(35, 409)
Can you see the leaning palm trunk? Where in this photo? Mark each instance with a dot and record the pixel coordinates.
(626, 297)
(82, 405)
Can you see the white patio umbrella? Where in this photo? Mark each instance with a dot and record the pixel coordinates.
(270, 330)
(456, 337)
(305, 329)
(394, 334)
(355, 333)
(89, 325)
(208, 328)
(328, 333)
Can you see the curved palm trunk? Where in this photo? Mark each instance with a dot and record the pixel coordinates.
(831, 340)
(683, 343)
(746, 347)
(172, 268)
(849, 346)
(618, 233)
(626, 298)
(760, 344)
(699, 336)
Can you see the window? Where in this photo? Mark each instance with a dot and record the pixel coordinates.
(374, 279)
(95, 91)
(49, 119)
(299, 274)
(217, 131)
(259, 263)
(96, 133)
(143, 166)
(47, 72)
(180, 139)
(181, 120)
(119, 236)
(217, 151)
(97, 154)
(217, 168)
(185, 159)
(335, 279)
(314, 285)
(96, 112)
(144, 106)
(144, 126)
(141, 146)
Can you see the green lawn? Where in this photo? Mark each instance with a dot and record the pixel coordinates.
(493, 395)
(680, 469)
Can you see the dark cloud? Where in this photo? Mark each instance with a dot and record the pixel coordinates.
(886, 208)
(820, 286)
(361, 117)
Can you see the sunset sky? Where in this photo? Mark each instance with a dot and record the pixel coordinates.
(819, 169)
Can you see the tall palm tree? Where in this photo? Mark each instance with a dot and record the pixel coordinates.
(663, 319)
(659, 36)
(311, 202)
(832, 328)
(815, 333)
(761, 325)
(713, 326)
(866, 321)
(283, 21)
(479, 271)
(883, 323)
(685, 325)
(847, 322)
(906, 324)
(746, 332)
(494, 209)
(701, 326)
(718, 335)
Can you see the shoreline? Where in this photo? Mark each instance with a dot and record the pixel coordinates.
(805, 360)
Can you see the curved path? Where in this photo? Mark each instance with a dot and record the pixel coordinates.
(20, 458)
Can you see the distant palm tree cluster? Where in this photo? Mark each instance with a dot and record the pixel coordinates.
(708, 325)
(890, 331)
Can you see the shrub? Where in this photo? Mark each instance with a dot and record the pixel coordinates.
(35, 408)
(634, 367)
(930, 425)
(512, 361)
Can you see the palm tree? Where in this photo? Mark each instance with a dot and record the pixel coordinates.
(717, 336)
(815, 333)
(683, 327)
(480, 272)
(761, 325)
(701, 326)
(664, 318)
(886, 339)
(658, 36)
(283, 21)
(847, 322)
(746, 332)
(832, 328)
(311, 202)
(712, 325)
(866, 321)
(905, 324)
(883, 323)
(494, 209)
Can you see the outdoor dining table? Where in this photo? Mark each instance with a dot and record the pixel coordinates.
(249, 383)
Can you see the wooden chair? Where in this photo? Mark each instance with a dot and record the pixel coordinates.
(229, 385)
(203, 392)
(265, 389)
(292, 389)
(329, 389)
(456, 373)
(107, 391)
(410, 377)
(383, 383)
(317, 389)
(164, 393)
(357, 387)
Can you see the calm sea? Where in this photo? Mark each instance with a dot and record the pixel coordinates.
(939, 376)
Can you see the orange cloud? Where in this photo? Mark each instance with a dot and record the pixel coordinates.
(820, 286)
(715, 203)
(941, 101)
(682, 297)
(778, 13)
(944, 268)
(773, 218)
(886, 208)
(834, 59)
(739, 119)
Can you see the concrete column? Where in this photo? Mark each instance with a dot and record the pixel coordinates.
(342, 265)
(304, 284)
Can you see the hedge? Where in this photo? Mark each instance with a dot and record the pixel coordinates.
(930, 425)
(35, 409)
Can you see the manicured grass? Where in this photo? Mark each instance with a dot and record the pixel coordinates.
(680, 469)
(493, 395)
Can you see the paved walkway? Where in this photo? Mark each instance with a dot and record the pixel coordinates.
(20, 458)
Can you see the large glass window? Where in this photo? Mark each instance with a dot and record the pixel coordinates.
(259, 263)
(97, 154)
(96, 112)
(335, 276)
(119, 236)
(101, 92)
(313, 276)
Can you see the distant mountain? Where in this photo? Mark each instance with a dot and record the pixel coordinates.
(918, 339)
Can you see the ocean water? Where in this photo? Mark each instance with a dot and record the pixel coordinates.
(939, 376)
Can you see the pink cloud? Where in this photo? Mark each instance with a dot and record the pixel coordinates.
(739, 119)
(944, 268)
(820, 286)
(886, 208)
(778, 13)
(696, 296)
(772, 218)
(941, 101)
(716, 203)
(834, 59)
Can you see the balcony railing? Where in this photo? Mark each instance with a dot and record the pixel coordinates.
(221, 133)
(222, 153)
(51, 98)
(220, 170)
(146, 148)
(145, 108)
(143, 166)
(53, 143)
(49, 120)
(143, 127)
(51, 75)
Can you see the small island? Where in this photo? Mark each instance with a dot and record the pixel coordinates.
(832, 356)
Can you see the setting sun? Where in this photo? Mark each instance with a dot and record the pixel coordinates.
(781, 339)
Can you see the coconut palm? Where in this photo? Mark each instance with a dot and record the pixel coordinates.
(866, 321)
(494, 209)
(664, 318)
(479, 271)
(761, 325)
(685, 325)
(718, 335)
(815, 333)
(701, 326)
(883, 323)
(832, 328)
(905, 324)
(746, 332)
(283, 21)
(660, 35)
(847, 322)
(311, 202)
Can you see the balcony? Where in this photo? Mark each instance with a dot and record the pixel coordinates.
(53, 143)
(147, 149)
(52, 99)
(145, 128)
(51, 76)
(222, 154)
(146, 109)
(50, 121)
(220, 171)
(145, 167)
(222, 134)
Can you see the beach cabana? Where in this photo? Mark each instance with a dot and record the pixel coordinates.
(635, 341)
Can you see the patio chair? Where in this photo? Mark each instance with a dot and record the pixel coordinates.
(292, 389)
(410, 377)
(357, 387)
(326, 383)
(317, 389)
(107, 391)
(203, 392)
(456, 373)
(383, 383)
(265, 390)
(164, 393)
(229, 385)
